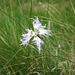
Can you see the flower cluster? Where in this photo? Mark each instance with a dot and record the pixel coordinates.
(39, 30)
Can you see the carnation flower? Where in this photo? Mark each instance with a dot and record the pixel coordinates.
(39, 30)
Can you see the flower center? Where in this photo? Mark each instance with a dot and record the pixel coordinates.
(34, 33)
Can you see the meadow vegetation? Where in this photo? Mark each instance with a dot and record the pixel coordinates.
(59, 16)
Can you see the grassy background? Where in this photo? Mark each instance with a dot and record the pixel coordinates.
(21, 60)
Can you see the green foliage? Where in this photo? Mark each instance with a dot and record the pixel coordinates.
(21, 60)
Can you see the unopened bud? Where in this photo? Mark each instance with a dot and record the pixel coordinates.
(59, 46)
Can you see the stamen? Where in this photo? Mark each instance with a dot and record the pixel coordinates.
(31, 31)
(35, 29)
(38, 31)
(30, 35)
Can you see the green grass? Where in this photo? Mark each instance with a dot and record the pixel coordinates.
(21, 60)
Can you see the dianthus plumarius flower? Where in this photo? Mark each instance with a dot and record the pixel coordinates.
(39, 30)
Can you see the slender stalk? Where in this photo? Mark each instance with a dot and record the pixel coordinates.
(31, 9)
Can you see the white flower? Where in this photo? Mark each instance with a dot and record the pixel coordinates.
(39, 30)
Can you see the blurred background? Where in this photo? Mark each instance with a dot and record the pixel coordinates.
(59, 16)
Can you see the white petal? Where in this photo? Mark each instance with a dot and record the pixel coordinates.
(26, 37)
(36, 23)
(38, 42)
(44, 32)
(43, 26)
(26, 41)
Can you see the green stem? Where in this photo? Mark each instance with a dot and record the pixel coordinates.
(31, 9)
